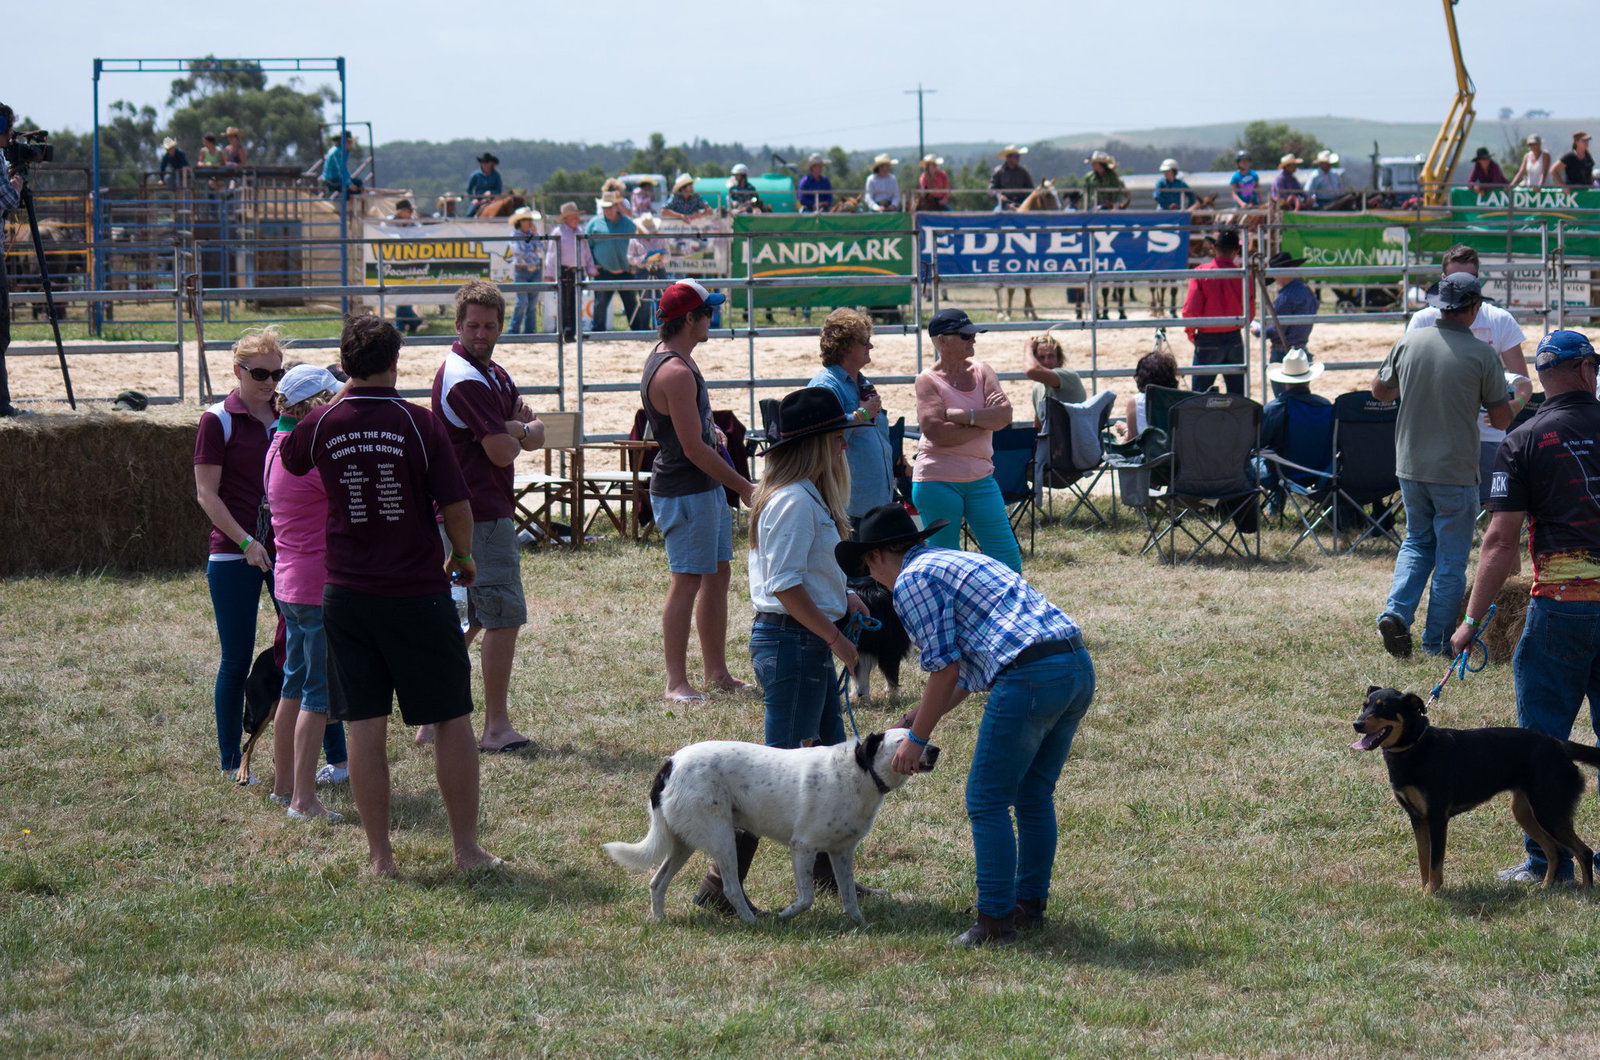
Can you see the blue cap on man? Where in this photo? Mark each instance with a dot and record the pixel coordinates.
(1560, 346)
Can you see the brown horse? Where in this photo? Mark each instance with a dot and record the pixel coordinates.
(502, 206)
(1167, 291)
(1043, 197)
(846, 205)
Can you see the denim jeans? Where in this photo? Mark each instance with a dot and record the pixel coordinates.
(235, 600)
(525, 318)
(1028, 724)
(1557, 665)
(798, 686)
(1438, 542)
(602, 300)
(981, 505)
(305, 671)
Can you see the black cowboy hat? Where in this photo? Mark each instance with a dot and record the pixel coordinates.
(487, 157)
(1482, 153)
(885, 525)
(814, 410)
(1283, 260)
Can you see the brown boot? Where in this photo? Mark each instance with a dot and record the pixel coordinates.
(988, 931)
(1029, 914)
(710, 895)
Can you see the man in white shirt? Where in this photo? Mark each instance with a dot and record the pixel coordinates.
(1499, 329)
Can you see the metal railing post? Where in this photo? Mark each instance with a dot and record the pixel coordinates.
(177, 305)
(750, 317)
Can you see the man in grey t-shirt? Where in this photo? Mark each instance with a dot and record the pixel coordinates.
(1442, 375)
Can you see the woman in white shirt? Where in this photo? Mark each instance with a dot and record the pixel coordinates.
(1535, 169)
(883, 191)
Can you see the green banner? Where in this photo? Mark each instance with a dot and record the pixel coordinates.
(1576, 208)
(1349, 239)
(841, 244)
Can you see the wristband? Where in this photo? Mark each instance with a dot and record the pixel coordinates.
(972, 418)
(461, 559)
(914, 738)
(1472, 623)
(244, 546)
(863, 414)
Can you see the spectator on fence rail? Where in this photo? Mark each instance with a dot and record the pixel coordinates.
(489, 426)
(1044, 362)
(1102, 185)
(299, 505)
(1287, 191)
(816, 190)
(1294, 299)
(10, 200)
(642, 201)
(882, 189)
(687, 484)
(565, 257)
(934, 182)
(685, 204)
(648, 256)
(234, 153)
(959, 407)
(1442, 376)
(173, 163)
(1535, 170)
(1500, 330)
(336, 178)
(1486, 172)
(1245, 183)
(527, 257)
(210, 153)
(1009, 181)
(230, 455)
(390, 623)
(614, 188)
(1327, 186)
(846, 344)
(611, 259)
(1576, 167)
(1218, 343)
(742, 195)
(484, 184)
(1172, 193)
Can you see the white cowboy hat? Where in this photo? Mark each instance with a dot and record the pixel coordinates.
(646, 223)
(931, 158)
(1327, 156)
(525, 213)
(607, 202)
(816, 160)
(1296, 367)
(168, 144)
(683, 178)
(1012, 149)
(1290, 160)
(884, 160)
(1103, 156)
(1169, 163)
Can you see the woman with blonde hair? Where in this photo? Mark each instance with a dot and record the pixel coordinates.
(230, 453)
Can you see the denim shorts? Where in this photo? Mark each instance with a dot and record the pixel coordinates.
(495, 599)
(697, 529)
(305, 662)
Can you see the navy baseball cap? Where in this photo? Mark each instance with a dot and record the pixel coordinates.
(1560, 346)
(1457, 290)
(952, 322)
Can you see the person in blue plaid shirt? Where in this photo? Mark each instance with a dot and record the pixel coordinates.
(10, 199)
(982, 627)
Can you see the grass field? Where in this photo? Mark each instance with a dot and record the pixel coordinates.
(1232, 879)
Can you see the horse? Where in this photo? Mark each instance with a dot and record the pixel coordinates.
(1163, 293)
(851, 204)
(502, 206)
(1043, 197)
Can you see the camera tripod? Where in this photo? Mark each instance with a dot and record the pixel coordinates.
(44, 279)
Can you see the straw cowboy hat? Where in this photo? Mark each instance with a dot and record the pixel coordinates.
(168, 144)
(1103, 156)
(523, 214)
(683, 180)
(816, 160)
(803, 413)
(1012, 149)
(608, 202)
(647, 223)
(885, 525)
(232, 130)
(884, 160)
(933, 159)
(1296, 367)
(646, 182)
(1290, 160)
(1327, 156)
(568, 208)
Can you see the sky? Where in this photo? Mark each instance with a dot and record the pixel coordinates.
(821, 72)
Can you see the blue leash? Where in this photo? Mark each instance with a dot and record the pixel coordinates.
(853, 629)
(1461, 665)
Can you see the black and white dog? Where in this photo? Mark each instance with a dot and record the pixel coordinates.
(885, 647)
(814, 800)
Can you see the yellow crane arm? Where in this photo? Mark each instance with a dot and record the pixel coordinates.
(1452, 135)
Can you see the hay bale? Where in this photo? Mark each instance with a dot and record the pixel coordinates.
(1510, 615)
(99, 491)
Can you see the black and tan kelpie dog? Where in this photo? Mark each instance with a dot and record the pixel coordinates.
(1437, 773)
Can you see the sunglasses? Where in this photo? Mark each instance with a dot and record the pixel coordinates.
(967, 338)
(261, 375)
(704, 311)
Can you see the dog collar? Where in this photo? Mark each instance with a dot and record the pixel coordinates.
(883, 789)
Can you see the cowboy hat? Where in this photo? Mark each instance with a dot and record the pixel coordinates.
(1012, 149)
(1104, 157)
(1169, 163)
(487, 157)
(524, 213)
(168, 144)
(931, 158)
(1481, 154)
(883, 526)
(816, 160)
(1296, 367)
(568, 207)
(647, 223)
(683, 178)
(1327, 156)
(646, 182)
(884, 160)
(232, 130)
(1534, 138)
(803, 413)
(1290, 160)
(608, 202)
(1282, 260)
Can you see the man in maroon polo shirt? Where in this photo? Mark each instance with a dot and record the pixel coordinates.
(488, 425)
(390, 622)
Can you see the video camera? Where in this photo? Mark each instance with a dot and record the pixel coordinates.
(28, 148)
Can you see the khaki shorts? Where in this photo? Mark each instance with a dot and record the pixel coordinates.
(495, 600)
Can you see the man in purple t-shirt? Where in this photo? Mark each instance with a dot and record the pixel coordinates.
(390, 622)
(488, 425)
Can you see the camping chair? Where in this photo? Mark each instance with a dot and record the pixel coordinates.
(1364, 467)
(1299, 475)
(1212, 496)
(1013, 473)
(536, 495)
(1158, 404)
(1068, 454)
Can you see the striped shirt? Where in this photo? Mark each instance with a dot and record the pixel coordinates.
(974, 611)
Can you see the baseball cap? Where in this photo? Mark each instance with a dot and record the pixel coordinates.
(952, 322)
(1456, 291)
(1559, 346)
(304, 381)
(686, 296)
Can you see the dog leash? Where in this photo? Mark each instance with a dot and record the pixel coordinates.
(853, 629)
(1461, 665)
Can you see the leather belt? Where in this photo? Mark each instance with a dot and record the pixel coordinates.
(778, 618)
(1035, 652)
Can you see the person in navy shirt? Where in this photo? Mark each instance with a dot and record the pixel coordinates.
(484, 184)
(816, 190)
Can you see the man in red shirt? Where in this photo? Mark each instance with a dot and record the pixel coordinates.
(1218, 343)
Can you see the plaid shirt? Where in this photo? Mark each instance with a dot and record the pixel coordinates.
(974, 611)
(10, 198)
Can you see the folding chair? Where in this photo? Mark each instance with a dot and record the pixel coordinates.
(1299, 476)
(1158, 404)
(1013, 473)
(1212, 496)
(1364, 467)
(1068, 454)
(536, 495)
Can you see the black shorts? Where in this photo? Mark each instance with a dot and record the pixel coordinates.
(381, 647)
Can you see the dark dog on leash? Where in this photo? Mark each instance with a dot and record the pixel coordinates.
(1437, 773)
(885, 647)
(261, 691)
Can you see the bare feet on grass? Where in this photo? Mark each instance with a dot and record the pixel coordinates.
(684, 693)
(383, 868)
(424, 736)
(475, 857)
(727, 683)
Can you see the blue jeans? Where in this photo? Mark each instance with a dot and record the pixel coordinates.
(1557, 665)
(798, 686)
(1028, 724)
(235, 599)
(525, 318)
(305, 671)
(981, 505)
(1439, 521)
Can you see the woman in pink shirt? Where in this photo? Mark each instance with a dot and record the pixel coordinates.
(959, 407)
(299, 506)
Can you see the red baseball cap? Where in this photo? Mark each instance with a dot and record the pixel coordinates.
(686, 296)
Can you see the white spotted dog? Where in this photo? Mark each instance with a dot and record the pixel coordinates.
(811, 799)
